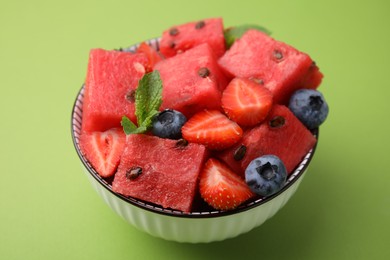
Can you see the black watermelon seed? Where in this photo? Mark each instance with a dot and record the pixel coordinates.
(172, 45)
(173, 31)
(257, 80)
(204, 72)
(239, 153)
(181, 143)
(200, 25)
(278, 55)
(277, 122)
(133, 172)
(130, 96)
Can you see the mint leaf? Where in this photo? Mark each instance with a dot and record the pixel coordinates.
(128, 125)
(148, 121)
(148, 99)
(148, 96)
(233, 33)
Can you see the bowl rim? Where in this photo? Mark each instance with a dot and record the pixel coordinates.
(76, 121)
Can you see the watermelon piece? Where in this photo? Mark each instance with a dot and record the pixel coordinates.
(313, 78)
(103, 150)
(282, 68)
(112, 77)
(169, 171)
(186, 36)
(281, 134)
(192, 81)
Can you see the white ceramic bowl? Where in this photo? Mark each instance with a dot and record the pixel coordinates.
(194, 227)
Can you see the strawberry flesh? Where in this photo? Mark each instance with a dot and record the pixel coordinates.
(103, 150)
(221, 188)
(246, 102)
(212, 129)
(152, 55)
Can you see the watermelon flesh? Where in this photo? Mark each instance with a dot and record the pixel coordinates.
(186, 36)
(313, 78)
(111, 78)
(290, 141)
(169, 171)
(281, 68)
(184, 89)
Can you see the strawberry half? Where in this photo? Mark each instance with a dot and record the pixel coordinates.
(221, 188)
(246, 101)
(212, 129)
(152, 54)
(103, 149)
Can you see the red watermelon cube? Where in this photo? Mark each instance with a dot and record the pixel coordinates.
(160, 171)
(281, 134)
(112, 76)
(282, 68)
(186, 36)
(192, 81)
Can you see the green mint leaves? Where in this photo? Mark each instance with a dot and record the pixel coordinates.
(128, 126)
(148, 99)
(233, 33)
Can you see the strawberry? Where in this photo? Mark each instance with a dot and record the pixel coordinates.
(152, 54)
(103, 149)
(221, 188)
(246, 101)
(212, 129)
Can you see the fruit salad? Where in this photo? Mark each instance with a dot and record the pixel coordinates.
(207, 119)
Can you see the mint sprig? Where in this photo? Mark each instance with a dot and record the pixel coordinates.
(233, 33)
(148, 99)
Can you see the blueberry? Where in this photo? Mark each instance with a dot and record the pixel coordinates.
(266, 175)
(309, 106)
(168, 124)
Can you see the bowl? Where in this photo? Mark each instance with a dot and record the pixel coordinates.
(193, 227)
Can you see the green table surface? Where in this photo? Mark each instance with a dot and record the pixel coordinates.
(48, 209)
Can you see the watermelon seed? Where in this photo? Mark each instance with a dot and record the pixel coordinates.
(278, 55)
(239, 153)
(130, 96)
(277, 122)
(172, 45)
(204, 72)
(174, 31)
(181, 143)
(133, 172)
(200, 25)
(257, 80)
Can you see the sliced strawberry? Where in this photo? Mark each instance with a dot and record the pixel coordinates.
(212, 129)
(152, 54)
(221, 188)
(103, 149)
(246, 101)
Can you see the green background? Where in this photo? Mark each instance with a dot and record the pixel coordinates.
(49, 210)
